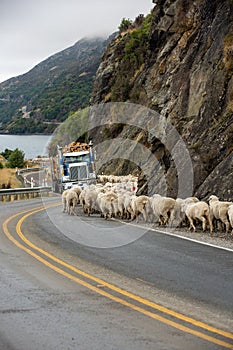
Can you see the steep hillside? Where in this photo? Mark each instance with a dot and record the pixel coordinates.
(178, 63)
(46, 95)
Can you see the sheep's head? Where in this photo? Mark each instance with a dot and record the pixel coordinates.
(213, 198)
(183, 206)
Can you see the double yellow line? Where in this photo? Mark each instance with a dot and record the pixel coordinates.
(118, 293)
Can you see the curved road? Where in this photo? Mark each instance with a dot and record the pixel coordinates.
(73, 282)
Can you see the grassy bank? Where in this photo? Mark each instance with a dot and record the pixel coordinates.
(8, 177)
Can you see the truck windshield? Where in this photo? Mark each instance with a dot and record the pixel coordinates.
(77, 159)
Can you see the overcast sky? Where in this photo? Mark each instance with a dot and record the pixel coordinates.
(32, 30)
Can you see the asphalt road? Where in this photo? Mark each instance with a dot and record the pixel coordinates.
(73, 282)
(38, 178)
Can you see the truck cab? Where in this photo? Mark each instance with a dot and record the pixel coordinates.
(76, 166)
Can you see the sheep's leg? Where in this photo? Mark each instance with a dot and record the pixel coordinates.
(172, 218)
(155, 218)
(145, 217)
(161, 220)
(225, 221)
(214, 222)
(219, 226)
(138, 215)
(133, 216)
(227, 226)
(72, 208)
(121, 213)
(203, 219)
(165, 218)
(64, 206)
(129, 213)
(210, 223)
(152, 217)
(191, 224)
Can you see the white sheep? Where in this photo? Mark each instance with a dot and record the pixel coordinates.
(163, 208)
(230, 215)
(198, 211)
(179, 215)
(90, 200)
(78, 190)
(218, 210)
(64, 193)
(105, 202)
(129, 213)
(118, 205)
(82, 198)
(140, 205)
(71, 201)
(63, 199)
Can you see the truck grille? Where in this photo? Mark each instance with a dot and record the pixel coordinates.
(78, 172)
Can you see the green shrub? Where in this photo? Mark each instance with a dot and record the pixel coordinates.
(125, 25)
(134, 47)
(16, 159)
(6, 154)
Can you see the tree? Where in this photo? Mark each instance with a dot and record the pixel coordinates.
(6, 154)
(16, 159)
(125, 25)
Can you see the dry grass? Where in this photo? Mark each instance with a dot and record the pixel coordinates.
(7, 177)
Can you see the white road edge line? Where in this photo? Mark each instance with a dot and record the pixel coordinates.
(175, 235)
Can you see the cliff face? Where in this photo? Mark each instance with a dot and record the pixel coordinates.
(181, 68)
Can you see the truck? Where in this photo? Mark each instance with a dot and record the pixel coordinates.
(74, 165)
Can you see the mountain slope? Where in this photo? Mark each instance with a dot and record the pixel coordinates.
(49, 92)
(181, 68)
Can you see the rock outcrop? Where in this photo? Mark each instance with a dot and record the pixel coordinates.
(178, 63)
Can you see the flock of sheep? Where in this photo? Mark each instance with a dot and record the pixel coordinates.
(116, 197)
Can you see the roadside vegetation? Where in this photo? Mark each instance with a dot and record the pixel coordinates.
(14, 158)
(134, 42)
(8, 177)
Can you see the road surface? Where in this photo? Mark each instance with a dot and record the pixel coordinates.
(62, 289)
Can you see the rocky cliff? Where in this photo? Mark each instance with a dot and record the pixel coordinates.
(178, 62)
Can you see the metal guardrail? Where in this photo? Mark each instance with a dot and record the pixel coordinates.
(12, 194)
(28, 170)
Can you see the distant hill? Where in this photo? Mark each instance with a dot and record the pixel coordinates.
(37, 101)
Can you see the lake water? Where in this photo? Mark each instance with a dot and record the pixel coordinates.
(31, 145)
